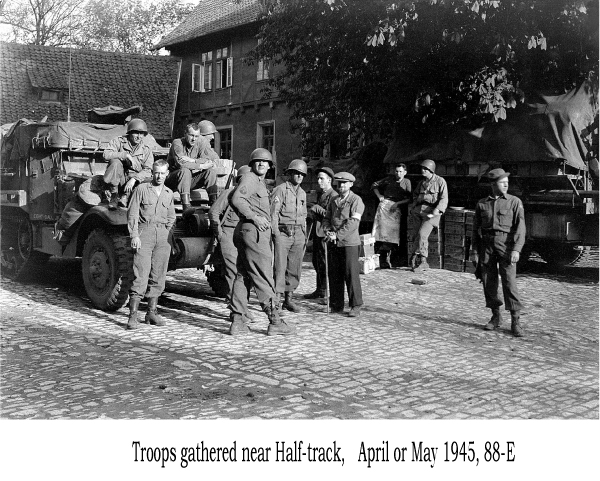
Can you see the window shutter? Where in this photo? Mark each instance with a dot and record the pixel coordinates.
(229, 71)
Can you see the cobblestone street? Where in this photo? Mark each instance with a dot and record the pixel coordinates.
(417, 352)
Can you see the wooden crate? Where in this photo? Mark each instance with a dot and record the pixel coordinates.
(456, 240)
(452, 264)
(455, 228)
(456, 252)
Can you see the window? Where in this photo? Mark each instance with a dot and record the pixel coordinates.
(262, 72)
(50, 95)
(225, 138)
(223, 68)
(202, 74)
(266, 136)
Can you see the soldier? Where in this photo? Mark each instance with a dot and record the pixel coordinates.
(430, 200)
(192, 163)
(318, 211)
(288, 222)
(341, 228)
(252, 237)
(499, 236)
(130, 162)
(150, 217)
(223, 221)
(390, 221)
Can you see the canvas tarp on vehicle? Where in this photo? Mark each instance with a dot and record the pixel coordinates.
(546, 129)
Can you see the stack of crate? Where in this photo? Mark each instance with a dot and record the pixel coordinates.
(435, 258)
(367, 259)
(458, 232)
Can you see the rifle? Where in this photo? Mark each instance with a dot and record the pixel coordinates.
(214, 240)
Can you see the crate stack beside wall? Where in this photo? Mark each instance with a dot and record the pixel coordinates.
(435, 259)
(368, 260)
(458, 233)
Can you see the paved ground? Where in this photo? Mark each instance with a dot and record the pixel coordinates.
(417, 352)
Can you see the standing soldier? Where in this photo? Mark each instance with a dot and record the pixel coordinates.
(192, 163)
(150, 217)
(390, 221)
(252, 237)
(499, 236)
(318, 211)
(341, 228)
(129, 163)
(223, 221)
(288, 221)
(430, 200)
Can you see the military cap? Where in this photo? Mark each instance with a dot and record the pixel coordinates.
(344, 177)
(497, 174)
(326, 170)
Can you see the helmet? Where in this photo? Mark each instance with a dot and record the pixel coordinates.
(298, 165)
(428, 164)
(244, 169)
(138, 125)
(261, 154)
(206, 127)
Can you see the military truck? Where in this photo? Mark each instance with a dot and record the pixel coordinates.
(42, 167)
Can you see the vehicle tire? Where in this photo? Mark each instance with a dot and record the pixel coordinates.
(559, 255)
(18, 258)
(216, 280)
(107, 269)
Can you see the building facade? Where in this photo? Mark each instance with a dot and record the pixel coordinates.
(218, 85)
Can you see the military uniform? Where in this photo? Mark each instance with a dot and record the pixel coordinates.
(429, 195)
(120, 170)
(499, 227)
(150, 217)
(251, 199)
(318, 211)
(288, 220)
(184, 175)
(343, 218)
(226, 228)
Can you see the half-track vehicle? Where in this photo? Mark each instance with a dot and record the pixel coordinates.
(42, 167)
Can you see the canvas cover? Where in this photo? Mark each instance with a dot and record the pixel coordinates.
(546, 128)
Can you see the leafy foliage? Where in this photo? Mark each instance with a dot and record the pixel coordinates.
(366, 66)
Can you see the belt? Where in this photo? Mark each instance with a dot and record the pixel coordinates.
(492, 233)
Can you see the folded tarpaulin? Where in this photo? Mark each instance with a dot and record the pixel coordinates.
(112, 114)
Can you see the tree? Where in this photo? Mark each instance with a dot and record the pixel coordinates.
(369, 66)
(128, 25)
(41, 22)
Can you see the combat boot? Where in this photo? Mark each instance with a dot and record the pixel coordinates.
(495, 321)
(152, 316)
(279, 307)
(317, 294)
(134, 304)
(423, 266)
(413, 261)
(186, 204)
(238, 326)
(277, 327)
(355, 311)
(288, 303)
(515, 324)
(123, 201)
(112, 198)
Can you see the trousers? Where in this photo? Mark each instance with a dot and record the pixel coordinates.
(421, 229)
(289, 250)
(496, 260)
(344, 269)
(230, 254)
(150, 262)
(254, 261)
(184, 180)
(318, 262)
(115, 174)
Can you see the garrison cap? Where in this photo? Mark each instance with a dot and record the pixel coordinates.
(497, 174)
(344, 177)
(326, 170)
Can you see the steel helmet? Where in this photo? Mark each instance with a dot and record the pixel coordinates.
(206, 127)
(429, 165)
(137, 125)
(261, 154)
(244, 169)
(298, 165)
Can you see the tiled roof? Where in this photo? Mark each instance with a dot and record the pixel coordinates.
(212, 16)
(98, 79)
